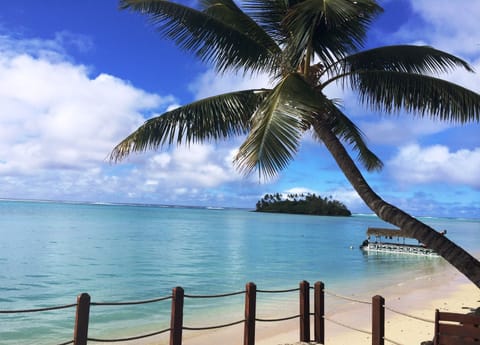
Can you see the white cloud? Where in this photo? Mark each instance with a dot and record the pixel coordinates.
(349, 197)
(58, 124)
(161, 160)
(450, 25)
(210, 83)
(422, 165)
(299, 190)
(54, 115)
(396, 131)
(195, 166)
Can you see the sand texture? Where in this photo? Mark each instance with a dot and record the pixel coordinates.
(418, 297)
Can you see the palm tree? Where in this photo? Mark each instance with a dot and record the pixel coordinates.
(304, 46)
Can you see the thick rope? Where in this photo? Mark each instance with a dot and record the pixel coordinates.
(278, 291)
(346, 298)
(129, 338)
(392, 341)
(347, 326)
(37, 309)
(215, 296)
(67, 342)
(279, 319)
(212, 327)
(408, 315)
(131, 302)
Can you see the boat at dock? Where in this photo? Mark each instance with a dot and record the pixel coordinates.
(393, 241)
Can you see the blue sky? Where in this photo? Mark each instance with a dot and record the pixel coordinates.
(78, 76)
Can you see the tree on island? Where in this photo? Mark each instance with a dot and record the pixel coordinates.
(304, 45)
(302, 204)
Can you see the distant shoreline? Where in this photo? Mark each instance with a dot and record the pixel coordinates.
(101, 203)
(247, 209)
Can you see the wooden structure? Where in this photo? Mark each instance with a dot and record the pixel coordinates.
(177, 307)
(456, 329)
(384, 242)
(450, 328)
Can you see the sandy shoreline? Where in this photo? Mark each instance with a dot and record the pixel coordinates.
(419, 297)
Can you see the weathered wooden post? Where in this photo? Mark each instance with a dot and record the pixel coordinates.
(378, 320)
(319, 321)
(250, 314)
(80, 332)
(304, 311)
(176, 318)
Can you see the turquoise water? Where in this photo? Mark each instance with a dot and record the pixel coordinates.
(51, 252)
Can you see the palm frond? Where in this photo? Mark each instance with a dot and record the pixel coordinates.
(228, 12)
(213, 40)
(400, 58)
(348, 132)
(423, 95)
(269, 15)
(334, 28)
(277, 127)
(213, 118)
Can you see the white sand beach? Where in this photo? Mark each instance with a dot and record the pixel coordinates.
(419, 297)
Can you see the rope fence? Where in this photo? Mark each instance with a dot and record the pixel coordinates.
(129, 338)
(216, 296)
(279, 319)
(409, 315)
(36, 310)
(370, 303)
(177, 297)
(393, 342)
(328, 292)
(66, 343)
(159, 299)
(278, 291)
(347, 326)
(213, 327)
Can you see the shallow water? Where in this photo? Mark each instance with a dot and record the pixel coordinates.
(51, 252)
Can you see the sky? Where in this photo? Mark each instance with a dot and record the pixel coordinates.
(76, 77)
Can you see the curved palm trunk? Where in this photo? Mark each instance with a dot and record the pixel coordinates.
(451, 252)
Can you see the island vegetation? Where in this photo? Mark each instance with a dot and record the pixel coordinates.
(302, 204)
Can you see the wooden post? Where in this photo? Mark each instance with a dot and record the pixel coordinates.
(176, 318)
(319, 321)
(250, 314)
(436, 327)
(80, 332)
(304, 311)
(378, 320)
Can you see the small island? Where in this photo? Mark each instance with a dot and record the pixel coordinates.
(302, 204)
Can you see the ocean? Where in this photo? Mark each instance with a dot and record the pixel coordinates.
(50, 252)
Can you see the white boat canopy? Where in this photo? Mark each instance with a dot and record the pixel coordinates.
(387, 232)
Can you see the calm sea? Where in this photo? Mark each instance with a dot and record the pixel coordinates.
(51, 252)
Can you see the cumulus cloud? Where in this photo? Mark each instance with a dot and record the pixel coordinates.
(299, 190)
(195, 166)
(396, 131)
(349, 197)
(188, 175)
(210, 83)
(53, 115)
(422, 165)
(449, 25)
(58, 123)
